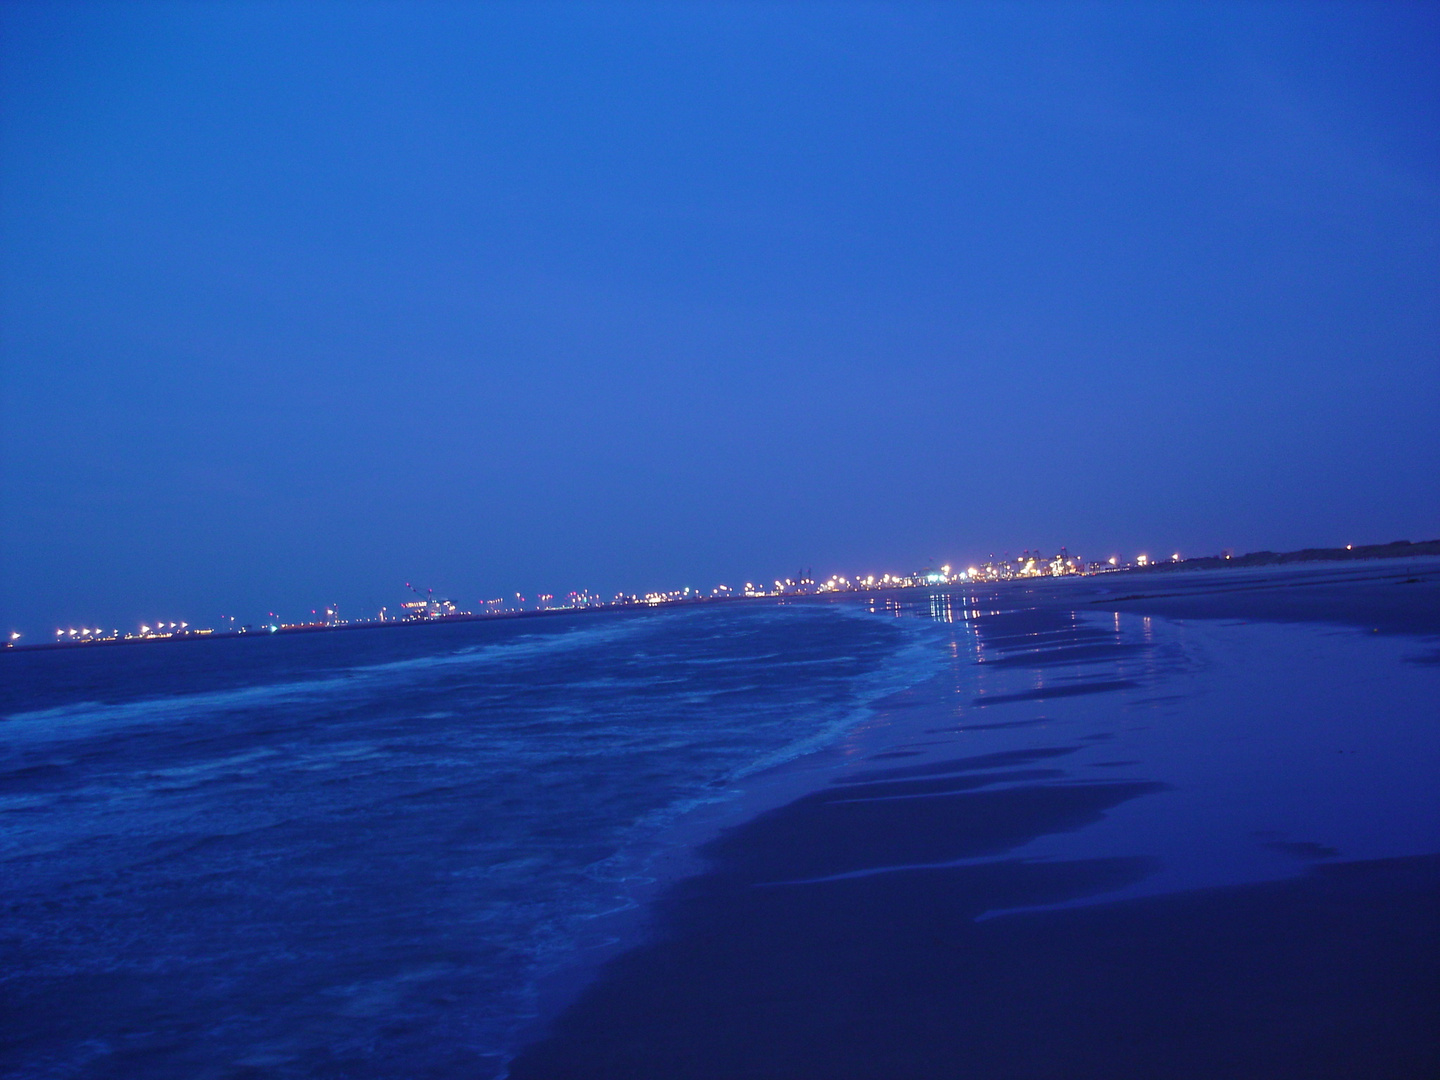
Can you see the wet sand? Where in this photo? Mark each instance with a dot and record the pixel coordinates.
(1401, 597)
(892, 926)
(1329, 975)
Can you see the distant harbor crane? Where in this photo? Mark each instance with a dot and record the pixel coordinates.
(427, 607)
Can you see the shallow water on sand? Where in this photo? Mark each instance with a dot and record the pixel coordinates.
(359, 854)
(1269, 747)
(1097, 844)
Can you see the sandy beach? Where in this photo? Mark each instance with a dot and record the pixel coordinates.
(1147, 825)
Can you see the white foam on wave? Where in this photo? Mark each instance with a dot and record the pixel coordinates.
(204, 796)
(77, 719)
(921, 657)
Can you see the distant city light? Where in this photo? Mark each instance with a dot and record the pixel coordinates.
(428, 606)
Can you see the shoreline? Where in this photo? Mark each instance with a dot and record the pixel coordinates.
(1308, 557)
(680, 857)
(734, 973)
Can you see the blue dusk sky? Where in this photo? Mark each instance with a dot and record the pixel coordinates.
(301, 301)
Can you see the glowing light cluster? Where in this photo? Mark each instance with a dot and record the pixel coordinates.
(427, 606)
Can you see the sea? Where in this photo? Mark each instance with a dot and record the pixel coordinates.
(357, 853)
(378, 852)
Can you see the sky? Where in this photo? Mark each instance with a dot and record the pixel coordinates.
(300, 301)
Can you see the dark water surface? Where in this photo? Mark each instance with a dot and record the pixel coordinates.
(365, 854)
(351, 854)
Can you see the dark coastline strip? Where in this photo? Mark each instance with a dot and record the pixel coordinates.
(1395, 549)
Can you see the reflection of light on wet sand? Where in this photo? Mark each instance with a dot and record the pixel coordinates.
(1324, 739)
(1237, 719)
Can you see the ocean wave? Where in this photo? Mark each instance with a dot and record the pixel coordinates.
(491, 803)
(346, 683)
